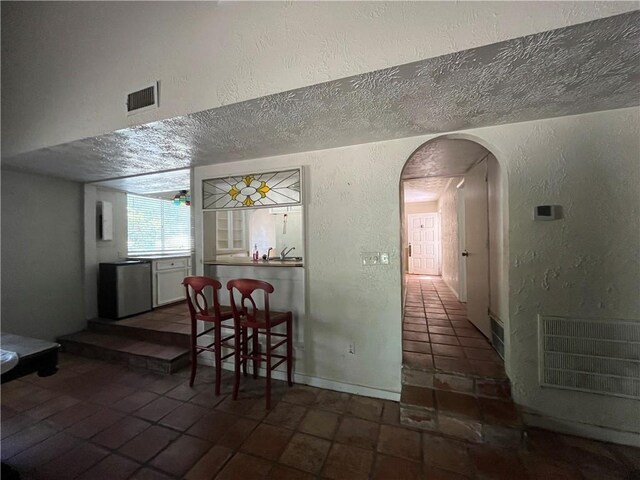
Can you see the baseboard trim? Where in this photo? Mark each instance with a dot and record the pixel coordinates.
(319, 382)
(455, 292)
(582, 429)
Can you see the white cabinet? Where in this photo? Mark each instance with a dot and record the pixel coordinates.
(167, 280)
(230, 232)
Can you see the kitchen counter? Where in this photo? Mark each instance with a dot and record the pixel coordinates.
(247, 262)
(157, 257)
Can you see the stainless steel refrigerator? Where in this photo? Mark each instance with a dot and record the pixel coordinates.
(124, 288)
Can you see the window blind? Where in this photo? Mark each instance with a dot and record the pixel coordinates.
(157, 227)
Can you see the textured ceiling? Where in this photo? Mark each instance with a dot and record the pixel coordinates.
(443, 157)
(588, 67)
(429, 168)
(152, 183)
(424, 189)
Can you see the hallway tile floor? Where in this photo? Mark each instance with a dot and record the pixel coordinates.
(454, 382)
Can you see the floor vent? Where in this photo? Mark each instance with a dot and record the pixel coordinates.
(143, 100)
(497, 334)
(599, 356)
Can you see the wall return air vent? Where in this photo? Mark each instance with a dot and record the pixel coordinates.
(599, 356)
(143, 100)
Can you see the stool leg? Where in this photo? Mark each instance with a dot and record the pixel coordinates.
(238, 333)
(256, 353)
(217, 354)
(194, 353)
(268, 360)
(289, 349)
(245, 350)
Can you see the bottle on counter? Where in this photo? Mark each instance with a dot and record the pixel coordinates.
(256, 254)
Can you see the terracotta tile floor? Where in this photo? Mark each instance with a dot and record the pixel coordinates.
(436, 332)
(449, 370)
(171, 318)
(95, 420)
(62, 427)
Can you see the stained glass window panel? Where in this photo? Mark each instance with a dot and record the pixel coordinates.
(252, 190)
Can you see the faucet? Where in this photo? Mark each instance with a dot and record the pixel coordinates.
(269, 253)
(285, 252)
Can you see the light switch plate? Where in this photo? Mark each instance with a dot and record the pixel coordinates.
(370, 258)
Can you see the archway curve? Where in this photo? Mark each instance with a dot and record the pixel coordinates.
(481, 145)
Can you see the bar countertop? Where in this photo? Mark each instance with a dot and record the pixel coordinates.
(247, 262)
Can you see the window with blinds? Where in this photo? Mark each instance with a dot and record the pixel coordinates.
(157, 227)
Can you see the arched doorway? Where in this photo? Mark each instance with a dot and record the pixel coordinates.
(454, 226)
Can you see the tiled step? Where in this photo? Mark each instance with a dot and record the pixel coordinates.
(451, 381)
(151, 356)
(163, 333)
(464, 407)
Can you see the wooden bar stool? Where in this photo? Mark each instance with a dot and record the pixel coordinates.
(247, 316)
(197, 289)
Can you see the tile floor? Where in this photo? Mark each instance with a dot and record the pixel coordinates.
(95, 420)
(453, 381)
(438, 336)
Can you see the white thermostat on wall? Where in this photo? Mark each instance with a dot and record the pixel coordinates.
(547, 212)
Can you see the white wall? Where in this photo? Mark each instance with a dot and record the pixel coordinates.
(420, 207)
(350, 208)
(112, 250)
(42, 277)
(67, 66)
(498, 231)
(97, 251)
(449, 234)
(583, 265)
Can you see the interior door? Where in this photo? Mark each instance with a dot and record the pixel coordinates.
(476, 254)
(424, 244)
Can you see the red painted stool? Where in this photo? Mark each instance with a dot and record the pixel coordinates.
(247, 316)
(197, 289)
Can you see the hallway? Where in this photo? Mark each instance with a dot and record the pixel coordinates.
(454, 382)
(436, 332)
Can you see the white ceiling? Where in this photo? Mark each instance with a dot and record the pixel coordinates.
(430, 167)
(424, 189)
(152, 183)
(582, 68)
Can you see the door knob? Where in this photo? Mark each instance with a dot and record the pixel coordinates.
(465, 254)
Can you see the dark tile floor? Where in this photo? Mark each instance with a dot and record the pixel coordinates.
(94, 420)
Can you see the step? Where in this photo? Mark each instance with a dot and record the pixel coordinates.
(456, 382)
(163, 333)
(151, 356)
(465, 416)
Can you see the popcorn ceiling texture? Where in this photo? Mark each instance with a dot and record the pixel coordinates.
(67, 66)
(587, 67)
(426, 189)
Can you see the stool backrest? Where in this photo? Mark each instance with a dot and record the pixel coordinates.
(246, 310)
(197, 288)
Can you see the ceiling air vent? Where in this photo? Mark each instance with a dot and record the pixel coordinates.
(143, 99)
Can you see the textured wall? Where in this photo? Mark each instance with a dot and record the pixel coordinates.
(351, 207)
(69, 65)
(583, 265)
(42, 294)
(449, 229)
